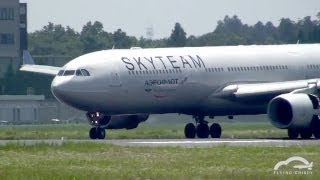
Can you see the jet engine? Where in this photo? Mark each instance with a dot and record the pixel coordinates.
(126, 121)
(293, 110)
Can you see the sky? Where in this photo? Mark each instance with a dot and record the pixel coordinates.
(197, 17)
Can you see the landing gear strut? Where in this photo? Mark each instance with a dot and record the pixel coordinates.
(202, 129)
(99, 121)
(97, 133)
(306, 133)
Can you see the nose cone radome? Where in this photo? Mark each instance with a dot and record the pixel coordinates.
(59, 89)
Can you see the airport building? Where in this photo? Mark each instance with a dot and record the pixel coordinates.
(32, 109)
(13, 34)
(21, 109)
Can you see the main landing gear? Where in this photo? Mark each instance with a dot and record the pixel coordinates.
(306, 133)
(201, 129)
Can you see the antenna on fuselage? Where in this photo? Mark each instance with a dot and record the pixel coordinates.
(298, 42)
(113, 46)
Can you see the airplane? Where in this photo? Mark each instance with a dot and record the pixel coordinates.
(120, 88)
(307, 166)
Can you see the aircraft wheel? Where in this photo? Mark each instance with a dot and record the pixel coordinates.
(315, 125)
(203, 131)
(306, 133)
(215, 130)
(101, 133)
(190, 131)
(93, 133)
(293, 133)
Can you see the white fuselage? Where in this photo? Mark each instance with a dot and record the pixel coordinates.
(181, 80)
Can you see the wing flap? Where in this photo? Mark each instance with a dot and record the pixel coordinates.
(265, 89)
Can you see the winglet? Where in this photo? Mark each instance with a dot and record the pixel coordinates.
(27, 59)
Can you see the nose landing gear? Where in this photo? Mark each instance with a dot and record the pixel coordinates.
(202, 129)
(99, 121)
(97, 133)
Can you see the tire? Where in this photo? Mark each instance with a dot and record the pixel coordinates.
(215, 130)
(293, 133)
(315, 125)
(203, 131)
(93, 133)
(190, 131)
(101, 133)
(306, 133)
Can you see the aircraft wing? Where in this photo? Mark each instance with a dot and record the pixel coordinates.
(29, 66)
(256, 90)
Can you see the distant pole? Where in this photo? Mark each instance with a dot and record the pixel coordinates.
(149, 32)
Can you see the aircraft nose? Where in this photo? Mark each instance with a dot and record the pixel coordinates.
(59, 90)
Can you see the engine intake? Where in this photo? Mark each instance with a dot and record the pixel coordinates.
(293, 110)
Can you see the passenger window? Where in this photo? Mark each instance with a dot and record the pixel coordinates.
(86, 73)
(78, 73)
(69, 73)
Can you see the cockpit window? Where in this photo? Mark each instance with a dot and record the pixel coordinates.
(69, 73)
(85, 72)
(78, 73)
(60, 73)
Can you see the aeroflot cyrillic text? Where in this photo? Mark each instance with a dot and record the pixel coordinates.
(161, 82)
(163, 62)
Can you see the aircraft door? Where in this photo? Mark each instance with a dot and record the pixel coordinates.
(115, 80)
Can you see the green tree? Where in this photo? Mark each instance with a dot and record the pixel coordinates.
(55, 40)
(94, 38)
(122, 41)
(178, 37)
(288, 31)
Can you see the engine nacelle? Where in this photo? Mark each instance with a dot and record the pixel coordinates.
(293, 110)
(126, 121)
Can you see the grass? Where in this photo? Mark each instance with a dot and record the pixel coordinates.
(102, 161)
(145, 130)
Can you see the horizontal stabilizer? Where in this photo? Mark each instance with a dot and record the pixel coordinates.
(49, 70)
(29, 66)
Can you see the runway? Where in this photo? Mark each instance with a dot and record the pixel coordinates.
(176, 142)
